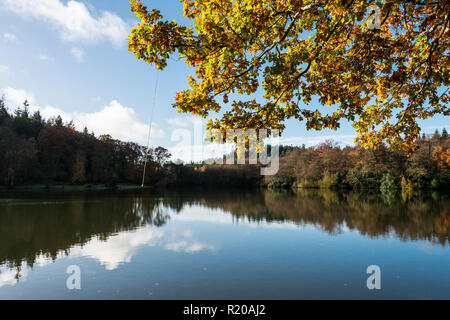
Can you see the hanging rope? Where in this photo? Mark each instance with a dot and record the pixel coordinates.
(150, 128)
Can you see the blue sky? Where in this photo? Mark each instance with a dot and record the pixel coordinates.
(71, 58)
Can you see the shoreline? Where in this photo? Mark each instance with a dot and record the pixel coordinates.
(71, 188)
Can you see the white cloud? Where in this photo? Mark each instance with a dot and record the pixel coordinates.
(188, 247)
(42, 260)
(118, 249)
(49, 111)
(187, 233)
(9, 36)
(190, 145)
(186, 244)
(11, 276)
(74, 20)
(15, 97)
(309, 141)
(43, 57)
(199, 213)
(183, 122)
(77, 53)
(200, 152)
(177, 122)
(3, 69)
(119, 121)
(189, 135)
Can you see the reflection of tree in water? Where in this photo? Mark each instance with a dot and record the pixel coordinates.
(372, 214)
(31, 228)
(423, 218)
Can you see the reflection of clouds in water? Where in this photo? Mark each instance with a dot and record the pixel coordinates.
(188, 244)
(430, 248)
(119, 248)
(43, 260)
(113, 252)
(198, 213)
(187, 233)
(123, 246)
(188, 247)
(11, 276)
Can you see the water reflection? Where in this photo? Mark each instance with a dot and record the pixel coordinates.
(10, 276)
(113, 228)
(118, 249)
(30, 228)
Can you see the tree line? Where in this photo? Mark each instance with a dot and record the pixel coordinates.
(330, 166)
(35, 150)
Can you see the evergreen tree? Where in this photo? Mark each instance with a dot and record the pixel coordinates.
(3, 111)
(58, 121)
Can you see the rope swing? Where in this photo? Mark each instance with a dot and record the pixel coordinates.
(150, 128)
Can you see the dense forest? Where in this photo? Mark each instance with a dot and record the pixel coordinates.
(330, 166)
(34, 150)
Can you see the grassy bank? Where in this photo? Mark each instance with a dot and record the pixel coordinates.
(71, 188)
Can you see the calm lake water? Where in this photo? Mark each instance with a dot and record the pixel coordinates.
(230, 244)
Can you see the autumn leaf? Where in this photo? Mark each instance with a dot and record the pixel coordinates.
(383, 81)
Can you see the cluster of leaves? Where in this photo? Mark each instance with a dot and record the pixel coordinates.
(35, 150)
(303, 52)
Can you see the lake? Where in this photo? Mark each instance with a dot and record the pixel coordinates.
(224, 244)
